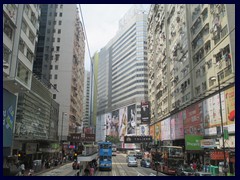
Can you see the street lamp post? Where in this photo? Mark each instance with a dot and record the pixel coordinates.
(223, 142)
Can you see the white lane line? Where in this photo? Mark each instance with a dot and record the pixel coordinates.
(114, 173)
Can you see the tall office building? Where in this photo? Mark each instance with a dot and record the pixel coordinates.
(122, 76)
(86, 100)
(191, 62)
(60, 62)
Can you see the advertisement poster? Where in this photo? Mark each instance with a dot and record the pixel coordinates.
(165, 129)
(158, 131)
(144, 130)
(211, 111)
(230, 105)
(131, 126)
(9, 105)
(114, 123)
(145, 112)
(108, 121)
(122, 123)
(176, 126)
(151, 131)
(193, 120)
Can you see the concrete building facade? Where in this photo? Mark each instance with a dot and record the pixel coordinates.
(60, 62)
(86, 101)
(191, 59)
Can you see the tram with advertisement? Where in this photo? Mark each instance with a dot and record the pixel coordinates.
(167, 159)
(105, 155)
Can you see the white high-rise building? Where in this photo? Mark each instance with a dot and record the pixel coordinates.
(122, 75)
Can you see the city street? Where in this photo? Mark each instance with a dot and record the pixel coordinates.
(120, 168)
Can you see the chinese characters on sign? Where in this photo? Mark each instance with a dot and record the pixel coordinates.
(137, 139)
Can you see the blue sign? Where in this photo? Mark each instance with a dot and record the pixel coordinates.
(9, 105)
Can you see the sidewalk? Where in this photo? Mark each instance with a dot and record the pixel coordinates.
(43, 170)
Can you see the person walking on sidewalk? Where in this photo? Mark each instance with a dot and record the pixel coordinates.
(91, 171)
(22, 168)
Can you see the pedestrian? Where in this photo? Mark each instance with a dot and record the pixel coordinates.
(91, 171)
(22, 167)
(86, 172)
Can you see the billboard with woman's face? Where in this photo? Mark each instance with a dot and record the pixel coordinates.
(115, 123)
(122, 123)
(131, 126)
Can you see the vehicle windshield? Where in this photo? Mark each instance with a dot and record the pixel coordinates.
(131, 158)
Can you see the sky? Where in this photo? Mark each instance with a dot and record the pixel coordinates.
(101, 24)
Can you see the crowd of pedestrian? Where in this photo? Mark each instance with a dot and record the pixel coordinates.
(91, 168)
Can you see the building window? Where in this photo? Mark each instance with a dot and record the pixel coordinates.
(50, 67)
(29, 55)
(55, 76)
(50, 76)
(56, 67)
(54, 96)
(21, 46)
(49, 22)
(58, 48)
(31, 37)
(8, 29)
(58, 39)
(55, 86)
(55, 13)
(60, 15)
(23, 73)
(6, 54)
(60, 23)
(57, 57)
(61, 6)
(59, 31)
(24, 27)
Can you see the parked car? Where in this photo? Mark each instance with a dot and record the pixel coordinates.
(202, 173)
(185, 170)
(145, 163)
(139, 155)
(132, 161)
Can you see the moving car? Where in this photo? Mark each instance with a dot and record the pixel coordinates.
(145, 163)
(185, 170)
(139, 155)
(132, 161)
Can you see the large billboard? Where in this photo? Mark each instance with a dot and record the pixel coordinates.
(151, 131)
(165, 129)
(131, 127)
(114, 123)
(211, 111)
(9, 105)
(157, 131)
(230, 105)
(122, 123)
(108, 120)
(145, 112)
(144, 130)
(176, 126)
(193, 119)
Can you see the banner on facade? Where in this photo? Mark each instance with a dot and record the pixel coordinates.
(192, 142)
(137, 139)
(208, 143)
(145, 111)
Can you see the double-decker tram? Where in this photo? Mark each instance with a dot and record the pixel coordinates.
(167, 159)
(105, 155)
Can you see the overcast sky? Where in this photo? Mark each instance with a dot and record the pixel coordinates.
(101, 24)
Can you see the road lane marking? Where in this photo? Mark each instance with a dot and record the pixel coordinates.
(114, 173)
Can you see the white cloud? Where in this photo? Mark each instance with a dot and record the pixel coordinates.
(101, 23)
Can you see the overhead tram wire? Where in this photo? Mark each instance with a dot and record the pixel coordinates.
(84, 29)
(93, 74)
